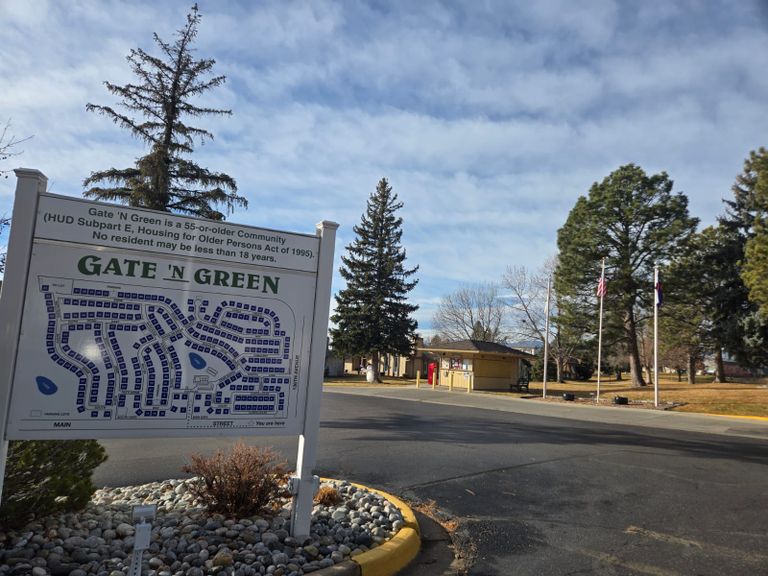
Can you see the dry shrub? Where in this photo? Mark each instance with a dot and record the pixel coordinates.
(245, 481)
(327, 496)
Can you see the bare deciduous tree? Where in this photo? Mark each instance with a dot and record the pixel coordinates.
(9, 146)
(472, 312)
(527, 302)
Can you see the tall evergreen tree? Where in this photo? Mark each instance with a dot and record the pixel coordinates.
(740, 279)
(156, 110)
(755, 271)
(709, 294)
(373, 316)
(740, 212)
(633, 221)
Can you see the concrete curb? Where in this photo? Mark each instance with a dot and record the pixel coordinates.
(389, 558)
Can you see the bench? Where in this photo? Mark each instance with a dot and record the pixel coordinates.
(520, 386)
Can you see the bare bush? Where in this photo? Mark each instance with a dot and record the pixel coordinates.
(327, 496)
(245, 481)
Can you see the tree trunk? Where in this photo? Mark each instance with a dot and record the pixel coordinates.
(559, 364)
(375, 364)
(635, 367)
(719, 366)
(691, 369)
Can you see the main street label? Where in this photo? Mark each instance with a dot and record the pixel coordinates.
(124, 342)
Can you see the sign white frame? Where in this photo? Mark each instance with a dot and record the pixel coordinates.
(31, 184)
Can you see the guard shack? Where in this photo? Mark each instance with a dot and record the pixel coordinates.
(477, 365)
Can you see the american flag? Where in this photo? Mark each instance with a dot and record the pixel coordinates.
(659, 295)
(602, 287)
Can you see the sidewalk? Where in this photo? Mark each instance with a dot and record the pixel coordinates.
(709, 424)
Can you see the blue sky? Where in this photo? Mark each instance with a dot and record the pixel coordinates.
(488, 118)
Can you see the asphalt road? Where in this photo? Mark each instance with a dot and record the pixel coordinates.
(536, 495)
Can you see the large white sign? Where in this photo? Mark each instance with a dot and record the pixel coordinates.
(122, 322)
(138, 323)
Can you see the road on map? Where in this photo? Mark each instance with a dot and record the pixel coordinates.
(535, 495)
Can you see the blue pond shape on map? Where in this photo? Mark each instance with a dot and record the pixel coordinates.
(46, 386)
(197, 361)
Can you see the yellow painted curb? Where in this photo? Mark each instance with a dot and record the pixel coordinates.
(758, 418)
(397, 552)
(392, 556)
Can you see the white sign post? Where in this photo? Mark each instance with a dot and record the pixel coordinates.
(29, 185)
(122, 322)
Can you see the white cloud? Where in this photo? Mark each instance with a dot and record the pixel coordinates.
(489, 119)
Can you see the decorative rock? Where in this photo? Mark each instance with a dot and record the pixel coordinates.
(262, 524)
(363, 539)
(187, 541)
(124, 530)
(311, 551)
(269, 538)
(223, 558)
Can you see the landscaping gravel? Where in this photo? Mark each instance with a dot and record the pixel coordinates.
(189, 541)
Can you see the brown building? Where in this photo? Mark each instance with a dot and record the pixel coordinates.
(478, 365)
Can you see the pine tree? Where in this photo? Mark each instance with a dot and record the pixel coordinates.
(755, 270)
(740, 212)
(372, 314)
(156, 111)
(634, 221)
(707, 299)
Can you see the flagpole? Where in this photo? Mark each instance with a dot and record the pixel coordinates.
(546, 336)
(656, 336)
(601, 288)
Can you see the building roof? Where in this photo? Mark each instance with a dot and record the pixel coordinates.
(475, 346)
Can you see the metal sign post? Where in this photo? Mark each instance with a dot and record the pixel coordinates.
(142, 516)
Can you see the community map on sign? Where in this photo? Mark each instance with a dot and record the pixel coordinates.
(199, 360)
